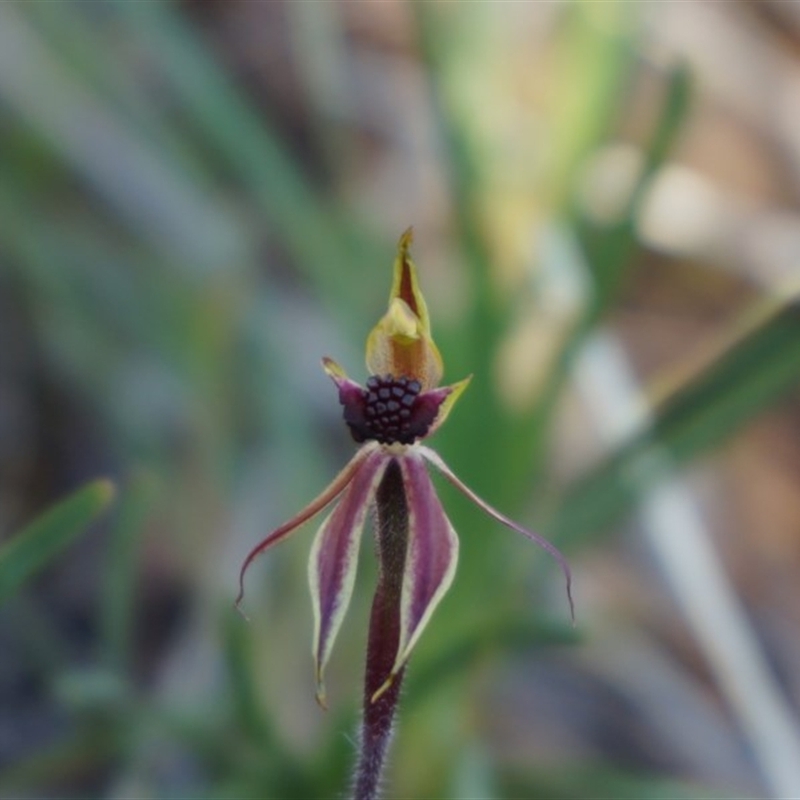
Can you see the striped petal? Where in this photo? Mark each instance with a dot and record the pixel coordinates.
(334, 558)
(431, 558)
(439, 463)
(334, 489)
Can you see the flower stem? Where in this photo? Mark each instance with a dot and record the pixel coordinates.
(391, 532)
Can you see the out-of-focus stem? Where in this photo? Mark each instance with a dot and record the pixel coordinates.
(384, 632)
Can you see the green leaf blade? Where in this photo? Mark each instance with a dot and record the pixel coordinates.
(43, 539)
(754, 372)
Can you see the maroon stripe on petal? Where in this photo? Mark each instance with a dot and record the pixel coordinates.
(405, 291)
(334, 557)
(431, 555)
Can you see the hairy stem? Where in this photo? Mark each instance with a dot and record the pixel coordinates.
(391, 532)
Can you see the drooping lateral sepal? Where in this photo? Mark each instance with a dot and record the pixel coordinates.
(334, 559)
(319, 503)
(434, 458)
(430, 561)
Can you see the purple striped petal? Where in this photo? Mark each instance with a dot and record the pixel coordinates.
(439, 463)
(431, 558)
(334, 558)
(334, 489)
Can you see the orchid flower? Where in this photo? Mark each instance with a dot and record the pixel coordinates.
(401, 405)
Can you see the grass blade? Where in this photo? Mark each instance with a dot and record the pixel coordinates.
(42, 540)
(117, 615)
(760, 367)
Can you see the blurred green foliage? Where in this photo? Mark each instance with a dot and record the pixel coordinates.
(42, 541)
(134, 230)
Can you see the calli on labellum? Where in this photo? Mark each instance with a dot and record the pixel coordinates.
(401, 405)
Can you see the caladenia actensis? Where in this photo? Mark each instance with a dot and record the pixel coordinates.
(417, 548)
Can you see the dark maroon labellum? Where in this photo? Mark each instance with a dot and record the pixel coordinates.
(390, 410)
